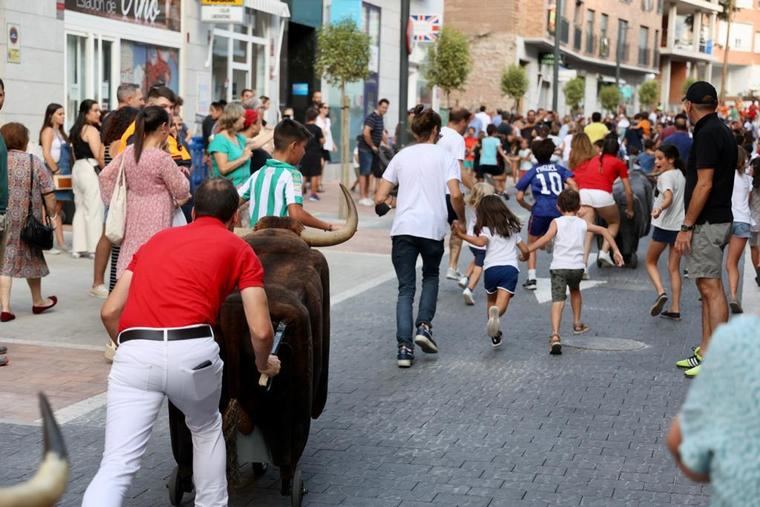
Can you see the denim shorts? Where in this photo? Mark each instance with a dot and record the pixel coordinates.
(500, 277)
(366, 159)
(741, 230)
(480, 256)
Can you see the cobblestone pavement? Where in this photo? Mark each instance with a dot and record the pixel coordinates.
(471, 425)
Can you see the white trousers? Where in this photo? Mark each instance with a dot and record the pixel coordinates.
(143, 372)
(87, 224)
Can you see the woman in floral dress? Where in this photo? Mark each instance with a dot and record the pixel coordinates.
(26, 175)
(155, 185)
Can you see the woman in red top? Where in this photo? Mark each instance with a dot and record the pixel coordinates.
(595, 178)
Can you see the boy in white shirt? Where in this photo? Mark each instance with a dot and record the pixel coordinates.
(569, 233)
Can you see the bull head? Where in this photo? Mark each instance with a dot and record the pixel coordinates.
(48, 484)
(323, 238)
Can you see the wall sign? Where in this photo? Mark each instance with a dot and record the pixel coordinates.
(14, 44)
(165, 14)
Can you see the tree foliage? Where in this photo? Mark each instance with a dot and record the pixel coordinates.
(610, 97)
(574, 91)
(342, 53)
(686, 84)
(649, 93)
(448, 61)
(514, 82)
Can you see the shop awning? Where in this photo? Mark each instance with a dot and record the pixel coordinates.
(274, 7)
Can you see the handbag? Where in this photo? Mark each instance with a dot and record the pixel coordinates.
(117, 209)
(35, 233)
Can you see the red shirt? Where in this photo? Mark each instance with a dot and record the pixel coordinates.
(182, 275)
(600, 176)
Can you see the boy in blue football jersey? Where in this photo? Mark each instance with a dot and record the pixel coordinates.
(546, 181)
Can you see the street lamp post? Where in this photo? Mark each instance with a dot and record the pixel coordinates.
(557, 40)
(403, 92)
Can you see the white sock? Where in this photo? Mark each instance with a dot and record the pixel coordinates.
(531, 274)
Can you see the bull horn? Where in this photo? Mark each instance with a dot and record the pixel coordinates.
(48, 484)
(330, 238)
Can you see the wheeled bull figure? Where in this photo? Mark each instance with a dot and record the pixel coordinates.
(297, 283)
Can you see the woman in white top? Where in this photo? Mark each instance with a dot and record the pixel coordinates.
(741, 228)
(423, 172)
(323, 122)
(56, 152)
(667, 217)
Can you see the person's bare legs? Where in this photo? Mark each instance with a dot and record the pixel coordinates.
(455, 249)
(499, 183)
(611, 215)
(532, 258)
(654, 251)
(576, 302)
(735, 249)
(58, 223)
(474, 276)
(5, 293)
(502, 301)
(674, 268)
(35, 286)
(364, 187)
(102, 253)
(714, 308)
(587, 213)
(557, 308)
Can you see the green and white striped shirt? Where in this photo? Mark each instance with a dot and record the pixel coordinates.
(271, 189)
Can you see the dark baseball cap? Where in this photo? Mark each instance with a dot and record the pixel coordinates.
(702, 92)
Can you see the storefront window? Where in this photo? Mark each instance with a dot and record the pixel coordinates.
(76, 56)
(149, 65)
(219, 68)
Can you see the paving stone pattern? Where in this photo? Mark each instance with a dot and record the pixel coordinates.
(470, 426)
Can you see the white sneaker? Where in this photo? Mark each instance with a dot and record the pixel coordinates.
(494, 325)
(585, 276)
(99, 291)
(467, 295)
(76, 255)
(463, 282)
(366, 202)
(53, 251)
(605, 259)
(453, 274)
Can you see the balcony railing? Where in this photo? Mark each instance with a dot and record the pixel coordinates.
(644, 57)
(590, 43)
(577, 38)
(604, 47)
(623, 52)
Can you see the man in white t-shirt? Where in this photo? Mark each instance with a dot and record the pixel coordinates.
(422, 172)
(452, 141)
(484, 118)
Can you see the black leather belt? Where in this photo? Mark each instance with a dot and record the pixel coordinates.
(186, 333)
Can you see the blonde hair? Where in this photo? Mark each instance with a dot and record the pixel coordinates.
(230, 116)
(479, 191)
(581, 150)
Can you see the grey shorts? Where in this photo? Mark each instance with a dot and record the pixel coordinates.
(707, 243)
(754, 238)
(562, 279)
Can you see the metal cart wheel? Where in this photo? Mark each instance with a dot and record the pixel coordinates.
(259, 469)
(633, 261)
(297, 489)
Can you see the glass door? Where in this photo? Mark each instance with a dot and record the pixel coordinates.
(76, 74)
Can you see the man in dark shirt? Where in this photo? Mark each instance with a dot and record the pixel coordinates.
(373, 134)
(707, 225)
(680, 138)
(207, 127)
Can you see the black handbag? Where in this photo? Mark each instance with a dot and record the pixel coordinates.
(35, 233)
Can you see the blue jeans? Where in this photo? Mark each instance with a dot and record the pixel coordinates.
(404, 254)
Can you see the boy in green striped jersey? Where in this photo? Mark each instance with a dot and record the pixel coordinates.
(276, 188)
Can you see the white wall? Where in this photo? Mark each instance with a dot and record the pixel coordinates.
(388, 87)
(38, 80)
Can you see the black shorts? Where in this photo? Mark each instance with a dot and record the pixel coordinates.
(311, 166)
(493, 170)
(452, 215)
(326, 155)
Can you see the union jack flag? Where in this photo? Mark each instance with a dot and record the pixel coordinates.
(426, 27)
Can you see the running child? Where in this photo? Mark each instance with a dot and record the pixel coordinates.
(498, 230)
(569, 234)
(525, 156)
(667, 217)
(475, 269)
(546, 180)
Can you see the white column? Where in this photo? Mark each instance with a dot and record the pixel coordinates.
(697, 30)
(665, 82)
(672, 26)
(713, 28)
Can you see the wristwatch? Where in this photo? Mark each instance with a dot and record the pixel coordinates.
(686, 228)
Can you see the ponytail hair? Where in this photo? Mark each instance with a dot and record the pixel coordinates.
(425, 122)
(148, 120)
(670, 152)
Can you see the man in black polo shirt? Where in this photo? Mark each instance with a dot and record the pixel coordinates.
(373, 133)
(706, 228)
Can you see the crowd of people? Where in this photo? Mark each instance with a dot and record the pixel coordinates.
(572, 176)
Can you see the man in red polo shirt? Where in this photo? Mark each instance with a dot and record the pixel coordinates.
(161, 314)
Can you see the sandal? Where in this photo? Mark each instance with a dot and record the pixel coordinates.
(555, 345)
(580, 328)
